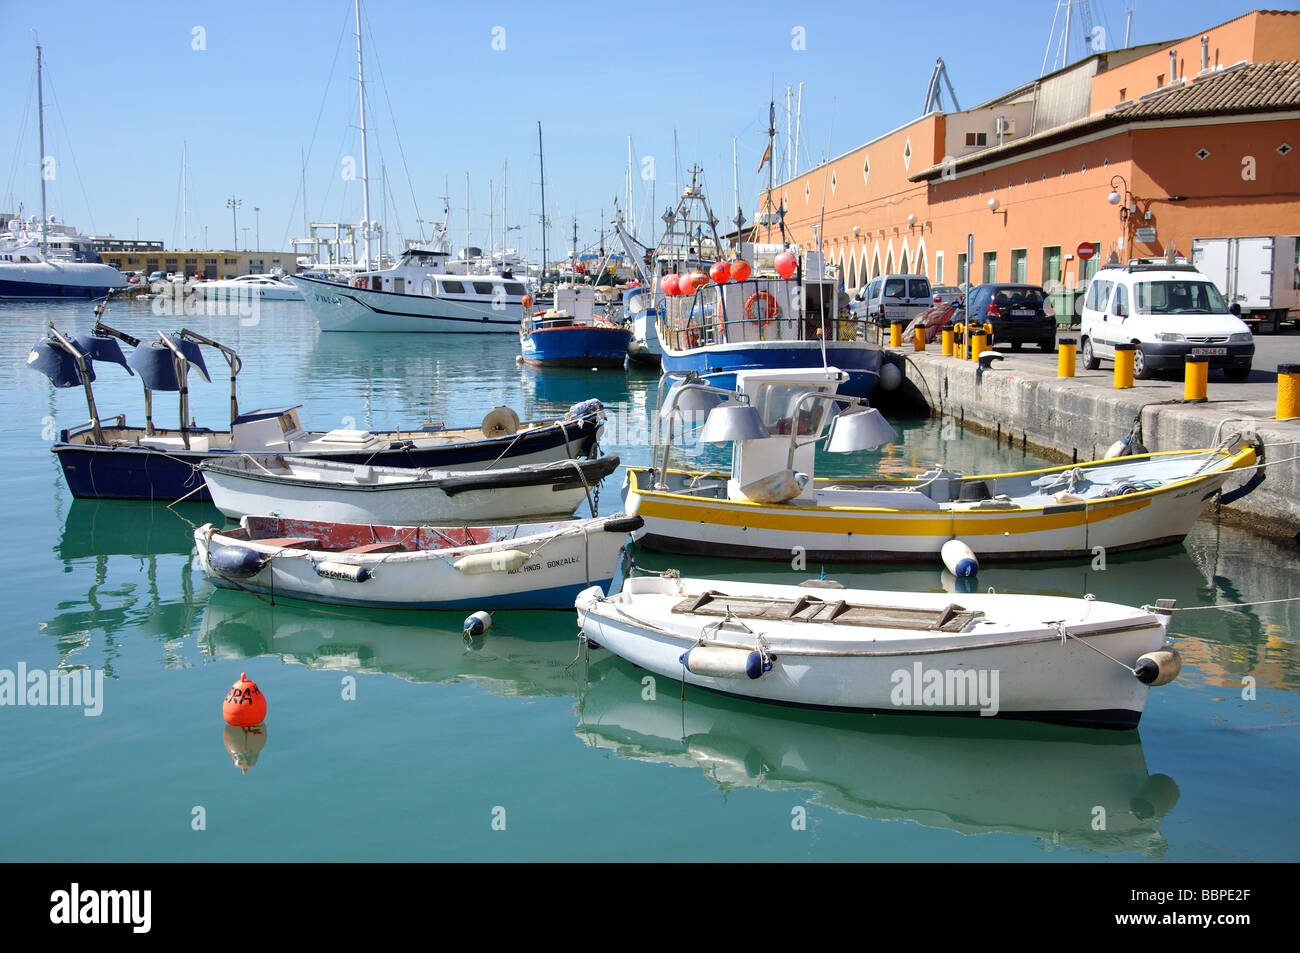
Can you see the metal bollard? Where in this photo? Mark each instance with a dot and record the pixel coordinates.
(918, 338)
(1065, 357)
(945, 339)
(1288, 391)
(1196, 376)
(1124, 365)
(976, 343)
(895, 333)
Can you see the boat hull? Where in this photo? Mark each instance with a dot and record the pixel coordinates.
(144, 473)
(566, 558)
(339, 307)
(718, 364)
(1030, 673)
(497, 496)
(575, 346)
(682, 523)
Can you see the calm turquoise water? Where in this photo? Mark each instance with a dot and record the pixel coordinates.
(442, 739)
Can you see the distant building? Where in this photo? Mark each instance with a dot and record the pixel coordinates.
(1196, 138)
(206, 264)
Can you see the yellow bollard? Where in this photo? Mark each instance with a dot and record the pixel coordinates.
(918, 338)
(976, 344)
(1196, 375)
(1124, 366)
(1065, 357)
(945, 339)
(1288, 391)
(895, 333)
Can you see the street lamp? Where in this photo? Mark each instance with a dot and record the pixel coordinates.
(1120, 196)
(257, 232)
(233, 204)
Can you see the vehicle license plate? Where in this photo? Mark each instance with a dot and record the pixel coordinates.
(1209, 352)
(1022, 313)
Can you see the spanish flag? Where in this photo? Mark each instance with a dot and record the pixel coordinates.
(767, 157)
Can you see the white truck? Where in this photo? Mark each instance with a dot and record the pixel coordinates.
(1259, 275)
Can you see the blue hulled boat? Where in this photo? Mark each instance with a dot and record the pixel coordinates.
(751, 307)
(110, 459)
(572, 335)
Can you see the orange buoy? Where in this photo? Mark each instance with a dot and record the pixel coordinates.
(739, 270)
(526, 301)
(785, 264)
(245, 705)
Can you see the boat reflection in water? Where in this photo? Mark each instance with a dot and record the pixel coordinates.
(417, 647)
(137, 556)
(1087, 790)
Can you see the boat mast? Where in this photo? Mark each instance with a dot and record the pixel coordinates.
(789, 137)
(185, 205)
(771, 161)
(505, 171)
(365, 169)
(306, 228)
(467, 223)
(40, 115)
(542, 165)
(798, 121)
(492, 224)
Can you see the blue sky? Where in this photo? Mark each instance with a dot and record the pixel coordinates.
(125, 87)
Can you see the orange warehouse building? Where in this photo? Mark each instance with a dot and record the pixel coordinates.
(1198, 138)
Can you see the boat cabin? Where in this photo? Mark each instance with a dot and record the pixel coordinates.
(423, 271)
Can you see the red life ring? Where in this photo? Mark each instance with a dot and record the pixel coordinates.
(771, 310)
(358, 283)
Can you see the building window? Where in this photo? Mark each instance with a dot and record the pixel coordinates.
(977, 138)
(1051, 265)
(209, 261)
(1020, 266)
(990, 266)
(938, 267)
(232, 261)
(961, 268)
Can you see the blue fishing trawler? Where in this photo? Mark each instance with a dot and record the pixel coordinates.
(571, 334)
(753, 306)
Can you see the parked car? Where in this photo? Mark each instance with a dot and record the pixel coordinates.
(889, 298)
(1019, 314)
(1170, 311)
(944, 293)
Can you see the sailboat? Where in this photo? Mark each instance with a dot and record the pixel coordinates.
(34, 266)
(419, 292)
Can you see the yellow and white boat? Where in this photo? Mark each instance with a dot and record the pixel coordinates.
(771, 507)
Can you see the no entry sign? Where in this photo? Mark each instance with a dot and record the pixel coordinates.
(1085, 250)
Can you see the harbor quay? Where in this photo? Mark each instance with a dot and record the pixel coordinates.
(1018, 398)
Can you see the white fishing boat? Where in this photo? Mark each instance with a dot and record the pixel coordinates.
(524, 566)
(1045, 658)
(771, 505)
(309, 488)
(417, 294)
(249, 287)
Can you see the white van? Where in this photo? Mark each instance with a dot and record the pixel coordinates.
(889, 298)
(1170, 311)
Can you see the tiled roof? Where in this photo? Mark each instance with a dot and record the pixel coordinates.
(1249, 89)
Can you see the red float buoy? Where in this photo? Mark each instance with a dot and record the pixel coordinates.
(720, 272)
(245, 705)
(698, 280)
(785, 264)
(739, 270)
(668, 284)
